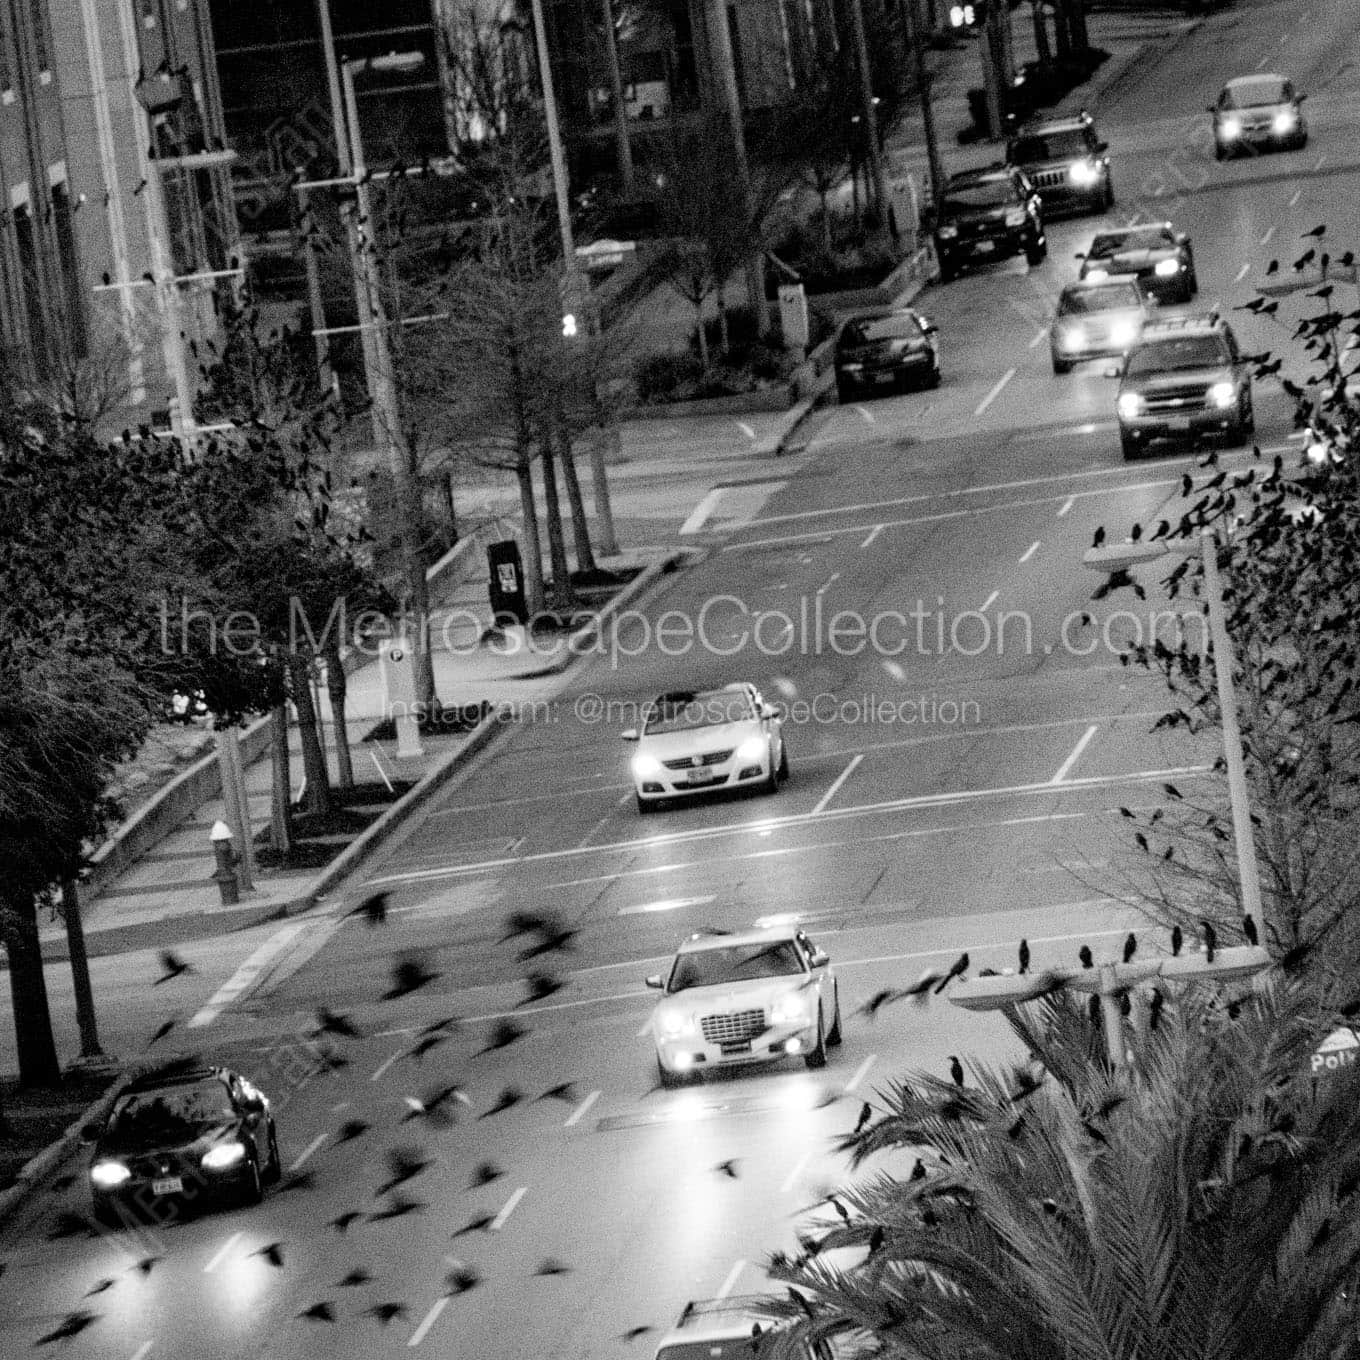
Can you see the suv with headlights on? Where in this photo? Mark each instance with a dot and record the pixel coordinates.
(1065, 160)
(1185, 378)
(987, 215)
(755, 997)
(1258, 111)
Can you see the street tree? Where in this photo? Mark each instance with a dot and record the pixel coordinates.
(1203, 1203)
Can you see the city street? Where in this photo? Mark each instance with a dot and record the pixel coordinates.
(962, 735)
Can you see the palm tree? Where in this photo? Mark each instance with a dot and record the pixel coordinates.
(1200, 1205)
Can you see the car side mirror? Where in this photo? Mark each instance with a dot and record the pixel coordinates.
(1299, 98)
(629, 734)
(769, 711)
(1102, 147)
(1080, 255)
(252, 1105)
(654, 982)
(928, 326)
(819, 958)
(89, 1133)
(1115, 371)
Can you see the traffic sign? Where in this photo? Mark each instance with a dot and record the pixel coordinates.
(1336, 1051)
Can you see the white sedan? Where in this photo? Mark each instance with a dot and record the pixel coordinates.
(748, 998)
(698, 741)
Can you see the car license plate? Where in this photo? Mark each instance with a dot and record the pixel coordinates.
(884, 377)
(984, 247)
(697, 776)
(169, 1185)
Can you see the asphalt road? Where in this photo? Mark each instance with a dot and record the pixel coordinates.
(955, 787)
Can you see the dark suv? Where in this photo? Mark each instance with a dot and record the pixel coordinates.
(1184, 378)
(1066, 162)
(987, 215)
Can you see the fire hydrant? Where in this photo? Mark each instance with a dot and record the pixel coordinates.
(225, 855)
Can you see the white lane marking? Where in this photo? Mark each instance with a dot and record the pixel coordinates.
(1030, 551)
(867, 414)
(511, 1204)
(746, 429)
(1242, 273)
(873, 534)
(989, 602)
(1066, 506)
(701, 512)
(428, 1321)
(305, 1155)
(1066, 767)
(1317, 164)
(664, 904)
(828, 583)
(219, 1256)
(796, 819)
(1295, 196)
(1039, 338)
(836, 786)
(1265, 240)
(142, 1351)
(601, 824)
(730, 1283)
(579, 1112)
(342, 1105)
(1260, 65)
(792, 1178)
(247, 975)
(995, 392)
(386, 1066)
(862, 1070)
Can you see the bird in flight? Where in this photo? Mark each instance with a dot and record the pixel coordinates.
(71, 1325)
(172, 966)
(272, 1253)
(866, 1113)
(564, 1091)
(727, 1168)
(386, 1312)
(319, 1312)
(373, 908)
(503, 1034)
(484, 1174)
(328, 1022)
(956, 969)
(409, 975)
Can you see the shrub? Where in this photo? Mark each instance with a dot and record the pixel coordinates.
(658, 376)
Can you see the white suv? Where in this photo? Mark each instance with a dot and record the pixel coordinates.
(748, 998)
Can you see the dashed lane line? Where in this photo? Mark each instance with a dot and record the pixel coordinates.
(247, 976)
(989, 601)
(386, 1065)
(1066, 506)
(1030, 551)
(702, 511)
(791, 1179)
(306, 1154)
(218, 1257)
(579, 1112)
(1066, 767)
(1242, 273)
(428, 1321)
(1294, 197)
(509, 1208)
(862, 1070)
(836, 786)
(1269, 234)
(730, 1283)
(873, 534)
(867, 414)
(996, 391)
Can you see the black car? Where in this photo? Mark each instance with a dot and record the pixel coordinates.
(1065, 160)
(884, 348)
(181, 1138)
(1157, 256)
(987, 215)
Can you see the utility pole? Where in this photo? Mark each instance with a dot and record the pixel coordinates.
(872, 151)
(927, 100)
(622, 141)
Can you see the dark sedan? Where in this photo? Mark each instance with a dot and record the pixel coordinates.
(886, 348)
(1159, 257)
(181, 1138)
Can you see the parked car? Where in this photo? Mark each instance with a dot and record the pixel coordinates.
(1258, 111)
(1185, 378)
(735, 999)
(1156, 255)
(186, 1136)
(698, 741)
(1066, 161)
(886, 348)
(1096, 320)
(987, 215)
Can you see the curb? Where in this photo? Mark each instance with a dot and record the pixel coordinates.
(37, 1169)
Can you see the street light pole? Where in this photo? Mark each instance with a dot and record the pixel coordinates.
(866, 94)
(382, 378)
(927, 102)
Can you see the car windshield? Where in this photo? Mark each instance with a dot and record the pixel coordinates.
(1110, 243)
(1253, 94)
(708, 708)
(987, 193)
(1180, 351)
(866, 329)
(734, 963)
(171, 1110)
(1052, 146)
(1083, 301)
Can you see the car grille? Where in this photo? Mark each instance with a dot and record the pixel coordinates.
(708, 758)
(1048, 179)
(156, 1168)
(733, 1029)
(1170, 400)
(979, 227)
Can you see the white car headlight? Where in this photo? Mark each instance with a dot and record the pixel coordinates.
(1123, 333)
(1070, 337)
(753, 748)
(1097, 275)
(1165, 268)
(1129, 404)
(108, 1174)
(675, 1024)
(791, 1009)
(1284, 120)
(646, 766)
(853, 368)
(1231, 127)
(1222, 394)
(947, 233)
(1015, 217)
(1084, 172)
(223, 1155)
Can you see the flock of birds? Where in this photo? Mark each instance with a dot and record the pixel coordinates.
(538, 936)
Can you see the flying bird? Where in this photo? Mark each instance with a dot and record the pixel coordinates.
(172, 966)
(160, 1033)
(424, 1045)
(1024, 957)
(727, 1168)
(527, 923)
(372, 908)
(403, 1164)
(549, 941)
(956, 1071)
(550, 1265)
(342, 1222)
(434, 1107)
(386, 1312)
(1250, 931)
(956, 969)
(485, 1173)
(350, 1130)
(398, 1207)
(503, 1034)
(480, 1224)
(272, 1253)
(1317, 231)
(319, 1312)
(564, 1091)
(356, 1277)
(1210, 941)
(328, 1022)
(1177, 940)
(866, 1113)
(541, 986)
(875, 1003)
(409, 975)
(1084, 955)
(146, 1265)
(99, 1287)
(507, 1100)
(1130, 947)
(71, 1325)
(460, 1280)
